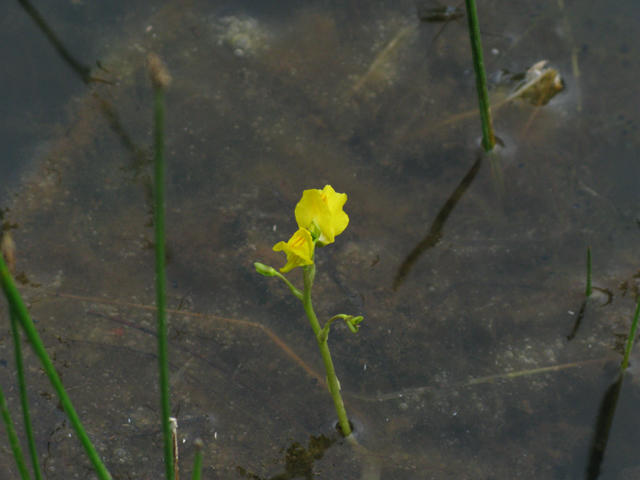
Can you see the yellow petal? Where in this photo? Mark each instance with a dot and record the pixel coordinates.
(324, 207)
(312, 208)
(336, 201)
(299, 250)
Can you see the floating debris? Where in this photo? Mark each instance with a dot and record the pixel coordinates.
(539, 86)
(440, 13)
(244, 36)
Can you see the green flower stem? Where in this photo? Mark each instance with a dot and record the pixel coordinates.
(332, 380)
(24, 401)
(14, 299)
(13, 437)
(297, 293)
(268, 271)
(323, 335)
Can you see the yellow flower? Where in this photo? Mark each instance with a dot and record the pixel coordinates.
(324, 208)
(299, 250)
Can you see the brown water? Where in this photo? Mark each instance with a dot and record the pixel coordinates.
(265, 104)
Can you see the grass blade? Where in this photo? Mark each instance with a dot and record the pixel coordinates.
(197, 459)
(160, 79)
(13, 437)
(488, 137)
(20, 310)
(24, 400)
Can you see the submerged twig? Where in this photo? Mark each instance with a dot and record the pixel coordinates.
(602, 428)
(478, 380)
(435, 232)
(383, 56)
(82, 71)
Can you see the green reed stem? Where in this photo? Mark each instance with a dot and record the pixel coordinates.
(197, 459)
(332, 380)
(13, 437)
(488, 137)
(588, 290)
(18, 306)
(632, 336)
(24, 400)
(159, 116)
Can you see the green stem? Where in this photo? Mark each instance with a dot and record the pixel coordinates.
(159, 114)
(332, 380)
(488, 137)
(11, 292)
(297, 293)
(632, 336)
(323, 335)
(24, 400)
(13, 437)
(197, 459)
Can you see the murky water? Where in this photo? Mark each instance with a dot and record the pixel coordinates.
(464, 370)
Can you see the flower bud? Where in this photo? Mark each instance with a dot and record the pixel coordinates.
(265, 270)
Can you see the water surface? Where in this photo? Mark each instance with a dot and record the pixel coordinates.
(464, 370)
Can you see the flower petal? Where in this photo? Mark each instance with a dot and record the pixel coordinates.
(324, 207)
(299, 250)
(336, 201)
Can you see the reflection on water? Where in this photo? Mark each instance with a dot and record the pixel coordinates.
(465, 370)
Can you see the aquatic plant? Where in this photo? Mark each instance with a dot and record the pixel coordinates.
(160, 79)
(321, 218)
(19, 311)
(488, 137)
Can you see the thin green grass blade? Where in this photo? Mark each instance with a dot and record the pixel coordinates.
(16, 303)
(488, 137)
(13, 437)
(160, 79)
(24, 400)
(197, 459)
